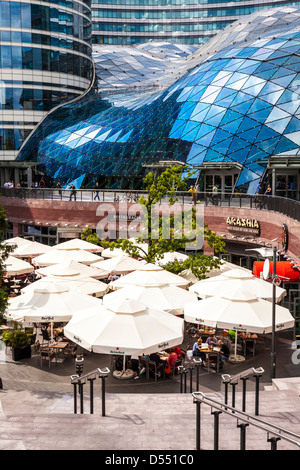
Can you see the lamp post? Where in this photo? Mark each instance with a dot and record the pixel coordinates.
(273, 353)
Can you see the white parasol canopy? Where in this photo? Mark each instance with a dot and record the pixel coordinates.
(240, 310)
(112, 253)
(121, 264)
(83, 285)
(171, 256)
(125, 328)
(233, 279)
(58, 256)
(71, 268)
(150, 275)
(167, 298)
(49, 303)
(18, 241)
(15, 266)
(78, 244)
(31, 249)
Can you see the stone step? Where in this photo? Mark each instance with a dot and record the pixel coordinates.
(44, 420)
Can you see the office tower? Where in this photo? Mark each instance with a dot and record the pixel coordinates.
(45, 60)
(189, 22)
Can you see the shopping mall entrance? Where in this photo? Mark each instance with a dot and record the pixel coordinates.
(223, 176)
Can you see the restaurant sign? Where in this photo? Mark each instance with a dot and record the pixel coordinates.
(242, 225)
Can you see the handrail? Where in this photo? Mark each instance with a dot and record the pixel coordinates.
(270, 428)
(100, 372)
(283, 205)
(81, 380)
(246, 373)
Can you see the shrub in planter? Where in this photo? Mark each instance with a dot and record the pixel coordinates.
(19, 341)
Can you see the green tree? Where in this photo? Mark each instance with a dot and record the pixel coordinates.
(5, 250)
(157, 188)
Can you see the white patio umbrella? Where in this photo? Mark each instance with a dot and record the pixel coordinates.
(121, 264)
(71, 268)
(224, 267)
(84, 285)
(124, 328)
(15, 266)
(31, 250)
(236, 278)
(171, 299)
(112, 253)
(77, 243)
(18, 241)
(238, 310)
(58, 256)
(150, 275)
(171, 256)
(50, 303)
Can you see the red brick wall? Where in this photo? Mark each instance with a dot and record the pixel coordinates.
(85, 213)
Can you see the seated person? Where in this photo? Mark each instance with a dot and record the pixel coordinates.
(224, 351)
(178, 351)
(170, 363)
(197, 352)
(134, 364)
(155, 358)
(212, 340)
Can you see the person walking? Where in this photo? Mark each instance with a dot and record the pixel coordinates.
(73, 192)
(97, 192)
(193, 192)
(215, 191)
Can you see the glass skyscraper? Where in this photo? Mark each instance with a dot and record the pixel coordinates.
(45, 60)
(187, 22)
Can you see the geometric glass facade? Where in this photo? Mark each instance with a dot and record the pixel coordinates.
(236, 101)
(123, 22)
(45, 59)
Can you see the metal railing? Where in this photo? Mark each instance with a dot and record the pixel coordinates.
(274, 432)
(244, 376)
(289, 207)
(81, 380)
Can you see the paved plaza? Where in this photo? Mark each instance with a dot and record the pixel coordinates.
(37, 406)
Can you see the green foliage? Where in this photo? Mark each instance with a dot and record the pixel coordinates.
(16, 338)
(89, 236)
(158, 187)
(199, 265)
(5, 250)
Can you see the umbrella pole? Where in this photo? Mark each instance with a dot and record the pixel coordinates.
(124, 363)
(51, 332)
(235, 344)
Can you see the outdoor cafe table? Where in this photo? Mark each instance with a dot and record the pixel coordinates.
(57, 347)
(212, 353)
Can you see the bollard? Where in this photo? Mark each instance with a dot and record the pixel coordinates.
(244, 393)
(191, 379)
(75, 398)
(233, 384)
(103, 394)
(273, 441)
(80, 386)
(91, 380)
(257, 377)
(243, 426)
(198, 424)
(197, 363)
(216, 428)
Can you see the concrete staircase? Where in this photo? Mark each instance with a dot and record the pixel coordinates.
(45, 421)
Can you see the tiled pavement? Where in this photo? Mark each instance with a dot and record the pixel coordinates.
(36, 408)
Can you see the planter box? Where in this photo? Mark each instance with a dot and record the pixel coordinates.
(21, 353)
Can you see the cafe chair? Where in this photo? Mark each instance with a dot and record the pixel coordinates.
(158, 371)
(177, 363)
(46, 354)
(46, 337)
(70, 350)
